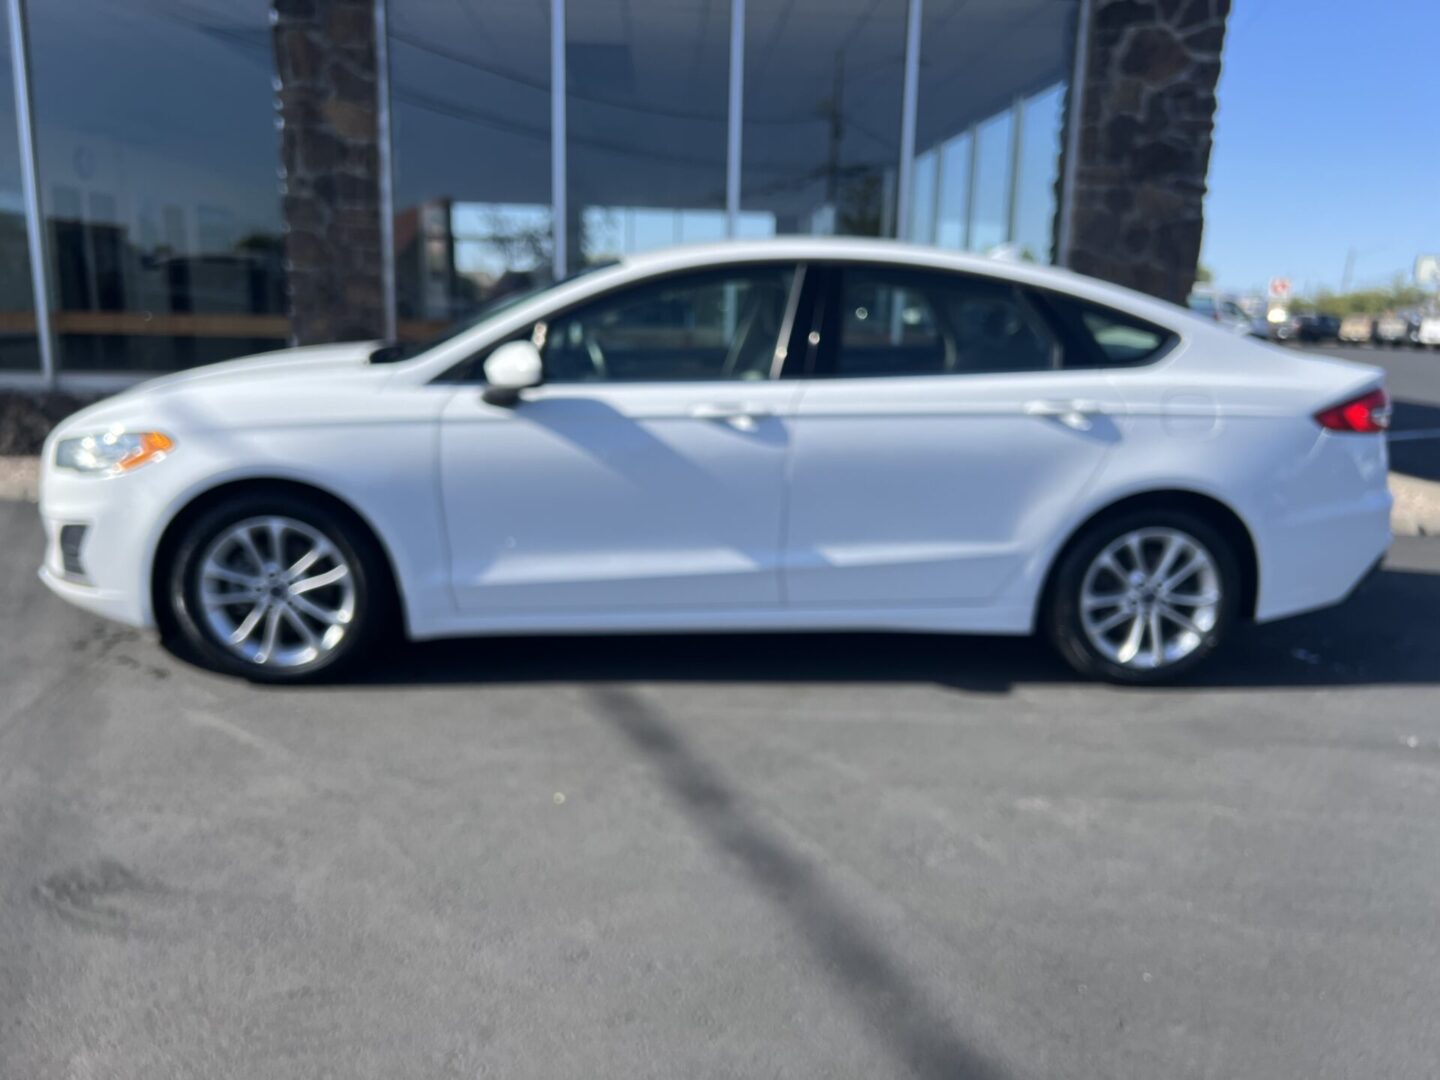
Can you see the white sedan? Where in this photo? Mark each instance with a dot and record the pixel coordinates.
(799, 434)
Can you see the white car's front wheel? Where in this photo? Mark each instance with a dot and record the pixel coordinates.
(1143, 597)
(276, 588)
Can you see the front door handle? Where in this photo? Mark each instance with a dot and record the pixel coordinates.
(1074, 413)
(739, 415)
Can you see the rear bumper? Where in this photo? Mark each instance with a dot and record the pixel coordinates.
(1315, 559)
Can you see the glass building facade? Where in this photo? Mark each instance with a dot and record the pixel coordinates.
(527, 139)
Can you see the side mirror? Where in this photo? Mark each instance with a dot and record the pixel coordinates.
(513, 367)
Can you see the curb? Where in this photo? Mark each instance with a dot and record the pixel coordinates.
(1417, 506)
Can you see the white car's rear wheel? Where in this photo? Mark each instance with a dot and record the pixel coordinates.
(276, 588)
(1143, 597)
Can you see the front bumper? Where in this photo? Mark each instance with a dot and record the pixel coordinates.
(107, 603)
(109, 575)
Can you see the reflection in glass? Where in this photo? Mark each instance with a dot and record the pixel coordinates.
(977, 59)
(822, 114)
(646, 113)
(160, 193)
(990, 222)
(470, 120)
(18, 349)
(925, 201)
(1039, 167)
(952, 193)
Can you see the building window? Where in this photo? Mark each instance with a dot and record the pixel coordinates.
(1044, 119)
(646, 110)
(470, 117)
(160, 194)
(821, 135)
(991, 74)
(18, 348)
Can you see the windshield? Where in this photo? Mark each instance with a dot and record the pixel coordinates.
(394, 351)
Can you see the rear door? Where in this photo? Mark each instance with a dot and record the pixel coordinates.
(940, 440)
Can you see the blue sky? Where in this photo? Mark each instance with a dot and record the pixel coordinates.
(1327, 138)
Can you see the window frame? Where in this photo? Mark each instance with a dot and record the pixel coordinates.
(1075, 347)
(471, 370)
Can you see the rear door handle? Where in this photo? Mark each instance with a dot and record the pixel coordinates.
(1073, 413)
(739, 415)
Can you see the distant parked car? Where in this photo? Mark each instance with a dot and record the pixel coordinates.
(1357, 330)
(1311, 328)
(1222, 309)
(1392, 329)
(1428, 332)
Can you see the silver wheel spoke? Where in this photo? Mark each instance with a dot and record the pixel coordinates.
(277, 530)
(1109, 623)
(1133, 640)
(232, 577)
(319, 581)
(1157, 638)
(231, 599)
(299, 625)
(1107, 562)
(1179, 577)
(314, 610)
(1096, 601)
(1182, 621)
(1132, 545)
(1174, 547)
(306, 561)
(272, 635)
(246, 541)
(1203, 599)
(247, 625)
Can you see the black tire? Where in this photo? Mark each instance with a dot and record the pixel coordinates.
(1060, 613)
(374, 598)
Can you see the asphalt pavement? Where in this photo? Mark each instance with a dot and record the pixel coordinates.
(810, 856)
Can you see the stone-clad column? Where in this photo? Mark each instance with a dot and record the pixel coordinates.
(325, 67)
(1144, 141)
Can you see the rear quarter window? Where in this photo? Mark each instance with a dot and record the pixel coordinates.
(1098, 336)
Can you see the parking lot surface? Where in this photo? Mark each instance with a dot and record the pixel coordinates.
(811, 856)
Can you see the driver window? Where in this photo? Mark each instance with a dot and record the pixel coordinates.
(716, 325)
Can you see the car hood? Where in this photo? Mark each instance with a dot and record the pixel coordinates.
(268, 385)
(305, 362)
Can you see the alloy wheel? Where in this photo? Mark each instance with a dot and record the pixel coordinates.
(1150, 598)
(276, 592)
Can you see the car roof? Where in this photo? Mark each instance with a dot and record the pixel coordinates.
(866, 249)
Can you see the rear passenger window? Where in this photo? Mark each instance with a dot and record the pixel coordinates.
(903, 322)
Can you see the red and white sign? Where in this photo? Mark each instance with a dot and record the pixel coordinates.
(1279, 288)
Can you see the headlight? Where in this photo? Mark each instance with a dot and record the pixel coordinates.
(112, 452)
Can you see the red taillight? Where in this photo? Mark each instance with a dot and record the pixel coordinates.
(1366, 414)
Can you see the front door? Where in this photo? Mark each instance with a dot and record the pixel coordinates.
(647, 472)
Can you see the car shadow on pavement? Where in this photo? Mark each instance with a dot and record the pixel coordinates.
(914, 1028)
(1388, 632)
